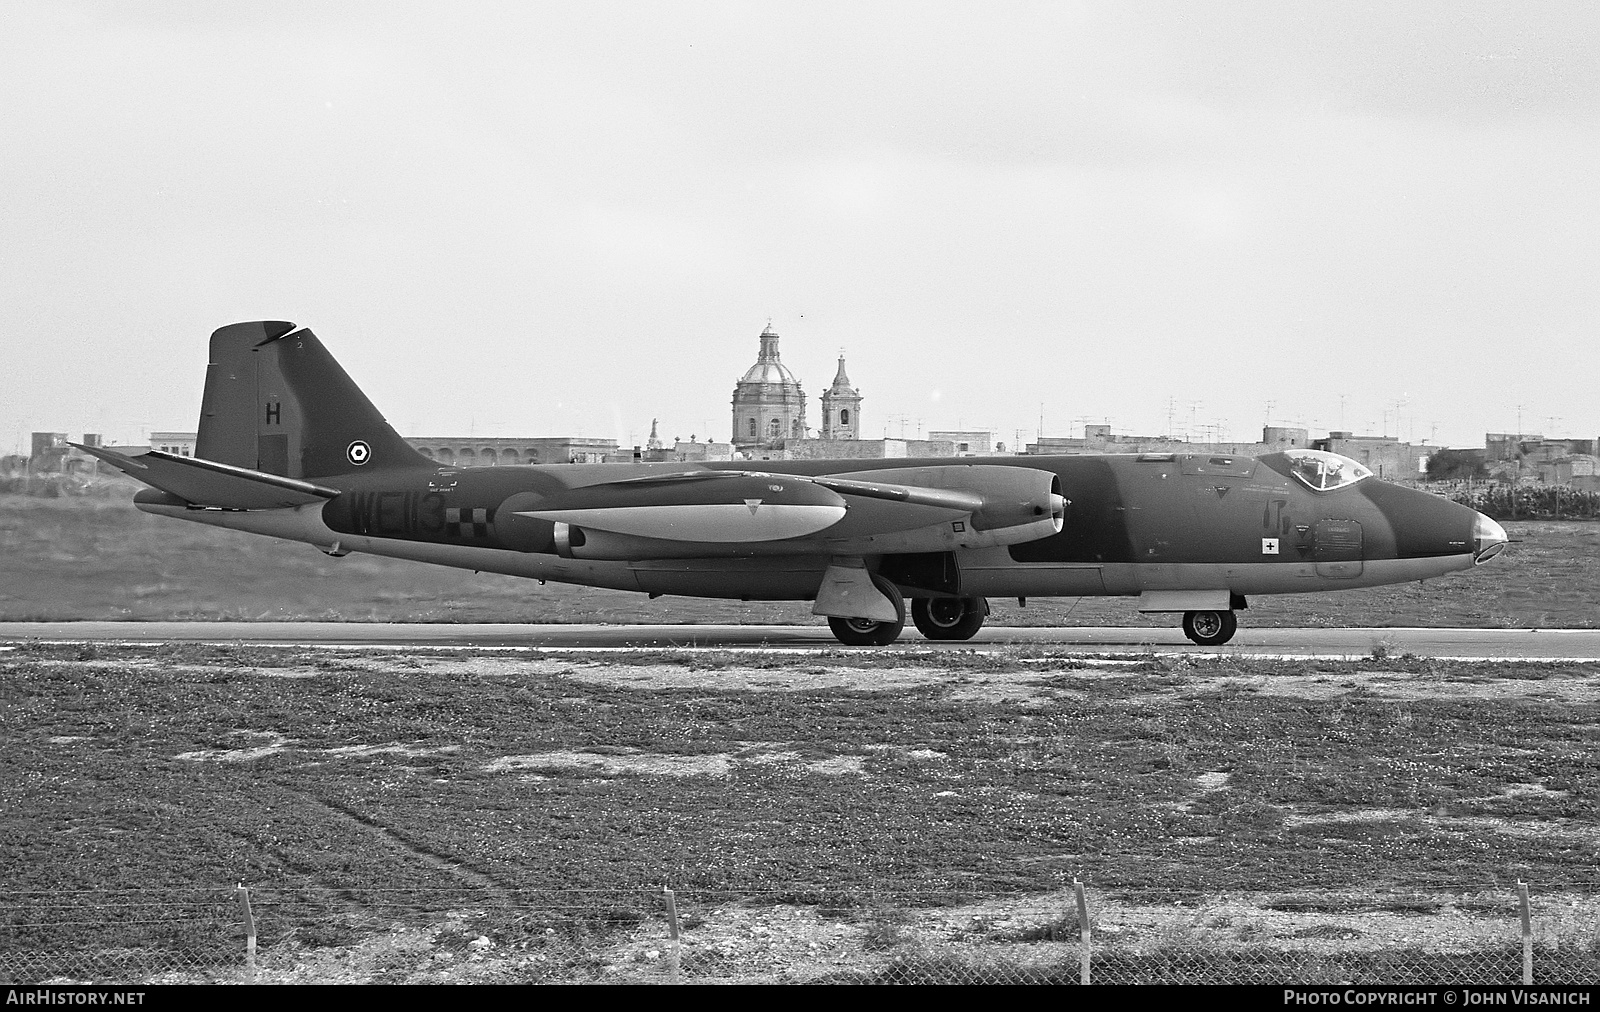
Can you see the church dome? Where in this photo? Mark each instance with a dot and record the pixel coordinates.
(768, 369)
(768, 404)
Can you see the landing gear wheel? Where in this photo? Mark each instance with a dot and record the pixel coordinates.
(864, 632)
(949, 618)
(1210, 628)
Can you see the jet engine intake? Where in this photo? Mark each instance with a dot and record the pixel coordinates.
(567, 538)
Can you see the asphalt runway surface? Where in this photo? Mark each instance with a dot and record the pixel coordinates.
(1465, 644)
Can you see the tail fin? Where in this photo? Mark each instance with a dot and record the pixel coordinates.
(276, 401)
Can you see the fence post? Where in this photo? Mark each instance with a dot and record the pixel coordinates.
(249, 934)
(674, 961)
(1527, 934)
(1083, 931)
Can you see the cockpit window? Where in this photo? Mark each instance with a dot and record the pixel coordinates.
(1324, 471)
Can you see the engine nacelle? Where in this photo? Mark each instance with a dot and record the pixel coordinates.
(1018, 504)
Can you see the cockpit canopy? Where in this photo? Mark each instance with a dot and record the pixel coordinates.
(1324, 471)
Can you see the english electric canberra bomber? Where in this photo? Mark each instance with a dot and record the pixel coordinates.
(289, 447)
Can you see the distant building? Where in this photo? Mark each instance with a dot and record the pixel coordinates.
(480, 451)
(965, 442)
(769, 405)
(694, 451)
(1568, 470)
(48, 445)
(181, 443)
(1385, 456)
(858, 449)
(1100, 439)
(52, 454)
(841, 408)
(1278, 438)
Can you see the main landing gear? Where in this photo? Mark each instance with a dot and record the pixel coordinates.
(865, 632)
(1210, 628)
(949, 618)
(937, 618)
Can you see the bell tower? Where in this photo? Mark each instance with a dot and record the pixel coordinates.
(841, 408)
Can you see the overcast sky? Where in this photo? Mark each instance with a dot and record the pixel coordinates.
(557, 219)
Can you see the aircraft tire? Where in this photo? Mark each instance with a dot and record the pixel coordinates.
(949, 618)
(1210, 628)
(860, 632)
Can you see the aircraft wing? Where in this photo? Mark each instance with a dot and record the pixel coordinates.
(942, 498)
(912, 510)
(208, 483)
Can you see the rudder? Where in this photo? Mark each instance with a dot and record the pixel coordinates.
(276, 401)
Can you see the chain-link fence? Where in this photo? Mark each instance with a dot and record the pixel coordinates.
(1098, 935)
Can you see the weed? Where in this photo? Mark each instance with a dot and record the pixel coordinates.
(885, 929)
(1065, 928)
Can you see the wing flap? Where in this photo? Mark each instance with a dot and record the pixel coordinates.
(208, 483)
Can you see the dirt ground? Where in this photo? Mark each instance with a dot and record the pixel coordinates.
(734, 943)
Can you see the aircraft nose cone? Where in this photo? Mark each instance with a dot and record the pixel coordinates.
(1488, 538)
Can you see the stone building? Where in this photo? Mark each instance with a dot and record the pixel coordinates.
(50, 454)
(478, 451)
(1385, 456)
(860, 449)
(841, 408)
(768, 404)
(181, 443)
(693, 451)
(1100, 439)
(966, 442)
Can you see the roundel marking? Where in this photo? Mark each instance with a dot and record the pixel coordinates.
(358, 452)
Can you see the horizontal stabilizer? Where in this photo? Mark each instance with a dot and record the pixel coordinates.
(208, 483)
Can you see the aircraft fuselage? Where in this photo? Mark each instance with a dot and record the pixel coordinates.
(1156, 525)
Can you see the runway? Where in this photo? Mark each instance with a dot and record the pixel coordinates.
(1459, 644)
